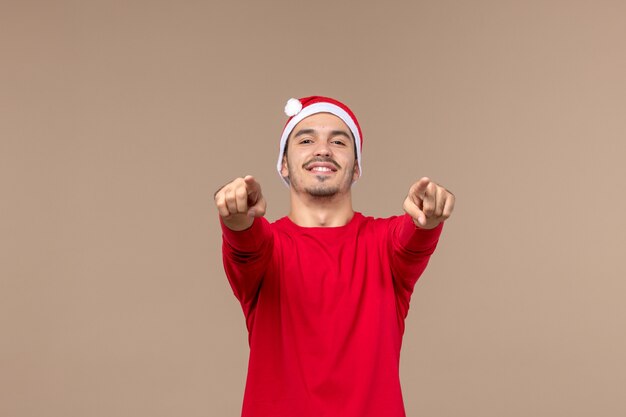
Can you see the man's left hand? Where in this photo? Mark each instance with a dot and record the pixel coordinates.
(428, 203)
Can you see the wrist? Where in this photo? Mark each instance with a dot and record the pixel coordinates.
(238, 222)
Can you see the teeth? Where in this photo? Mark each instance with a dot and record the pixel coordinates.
(322, 169)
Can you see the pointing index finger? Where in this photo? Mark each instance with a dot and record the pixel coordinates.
(419, 188)
(251, 184)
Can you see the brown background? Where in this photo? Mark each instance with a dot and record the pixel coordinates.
(118, 120)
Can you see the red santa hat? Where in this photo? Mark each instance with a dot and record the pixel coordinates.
(298, 109)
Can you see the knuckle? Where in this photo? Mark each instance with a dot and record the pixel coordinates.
(224, 192)
(240, 192)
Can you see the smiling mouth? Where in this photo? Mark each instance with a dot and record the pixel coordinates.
(321, 170)
(321, 166)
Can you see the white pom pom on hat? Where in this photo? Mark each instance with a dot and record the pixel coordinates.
(293, 107)
(298, 109)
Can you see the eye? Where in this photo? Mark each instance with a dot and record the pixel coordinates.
(305, 141)
(339, 142)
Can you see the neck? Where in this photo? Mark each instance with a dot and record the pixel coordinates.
(309, 211)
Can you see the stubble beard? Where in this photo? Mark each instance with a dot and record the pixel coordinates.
(321, 190)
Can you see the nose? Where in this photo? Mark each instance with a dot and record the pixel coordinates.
(322, 149)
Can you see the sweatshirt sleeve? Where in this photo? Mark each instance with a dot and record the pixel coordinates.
(411, 248)
(246, 254)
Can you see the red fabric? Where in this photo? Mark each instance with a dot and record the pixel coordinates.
(325, 310)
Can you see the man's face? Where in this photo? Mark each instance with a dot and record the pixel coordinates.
(320, 158)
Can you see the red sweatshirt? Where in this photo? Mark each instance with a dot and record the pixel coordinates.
(325, 310)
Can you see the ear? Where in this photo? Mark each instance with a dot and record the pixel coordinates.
(357, 171)
(284, 170)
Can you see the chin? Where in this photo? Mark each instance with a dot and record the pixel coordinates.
(322, 191)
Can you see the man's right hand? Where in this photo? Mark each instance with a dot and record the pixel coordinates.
(239, 202)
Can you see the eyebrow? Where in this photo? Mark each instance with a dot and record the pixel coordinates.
(312, 131)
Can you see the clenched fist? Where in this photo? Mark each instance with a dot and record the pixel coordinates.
(428, 203)
(239, 202)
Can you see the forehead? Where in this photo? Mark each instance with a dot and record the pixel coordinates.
(322, 122)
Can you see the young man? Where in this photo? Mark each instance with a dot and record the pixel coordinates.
(325, 291)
